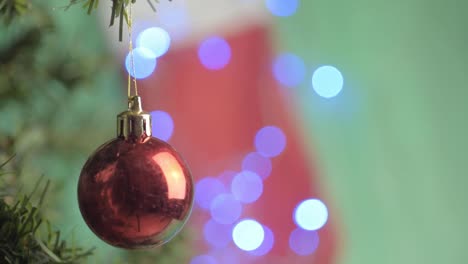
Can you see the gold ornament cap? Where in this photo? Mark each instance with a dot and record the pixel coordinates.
(134, 124)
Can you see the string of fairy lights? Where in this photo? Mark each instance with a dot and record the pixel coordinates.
(224, 196)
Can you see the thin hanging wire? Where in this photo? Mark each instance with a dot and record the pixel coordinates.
(130, 49)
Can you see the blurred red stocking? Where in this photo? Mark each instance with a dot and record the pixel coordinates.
(217, 114)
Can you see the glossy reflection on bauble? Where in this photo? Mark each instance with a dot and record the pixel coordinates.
(135, 193)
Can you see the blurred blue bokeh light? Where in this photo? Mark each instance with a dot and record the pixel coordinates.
(162, 125)
(258, 164)
(216, 234)
(282, 8)
(229, 255)
(144, 64)
(206, 190)
(155, 39)
(203, 259)
(225, 209)
(247, 186)
(214, 53)
(289, 69)
(248, 234)
(303, 242)
(327, 81)
(270, 141)
(311, 214)
(267, 244)
(174, 17)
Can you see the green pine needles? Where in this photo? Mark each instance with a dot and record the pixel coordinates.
(25, 236)
(118, 10)
(12, 8)
(9, 9)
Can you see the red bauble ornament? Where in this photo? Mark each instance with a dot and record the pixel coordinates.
(135, 191)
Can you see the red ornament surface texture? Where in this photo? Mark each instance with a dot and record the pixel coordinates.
(135, 195)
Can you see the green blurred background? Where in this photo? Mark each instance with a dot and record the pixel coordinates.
(392, 148)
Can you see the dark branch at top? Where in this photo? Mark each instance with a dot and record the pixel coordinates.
(9, 9)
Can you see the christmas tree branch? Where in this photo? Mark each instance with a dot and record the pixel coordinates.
(20, 238)
(118, 10)
(9, 9)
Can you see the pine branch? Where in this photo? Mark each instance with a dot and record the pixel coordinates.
(118, 10)
(9, 9)
(20, 238)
